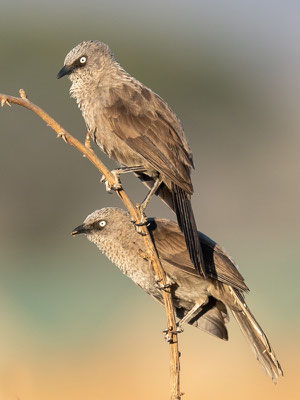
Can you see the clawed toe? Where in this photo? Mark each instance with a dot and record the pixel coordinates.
(138, 226)
(143, 223)
(161, 286)
(179, 328)
(167, 333)
(111, 188)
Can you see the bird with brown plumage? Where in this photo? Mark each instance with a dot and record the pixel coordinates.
(135, 127)
(200, 302)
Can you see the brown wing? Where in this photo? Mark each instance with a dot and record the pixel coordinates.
(171, 247)
(147, 125)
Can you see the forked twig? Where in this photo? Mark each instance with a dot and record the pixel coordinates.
(151, 255)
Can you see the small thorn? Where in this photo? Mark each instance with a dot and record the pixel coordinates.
(63, 136)
(23, 94)
(87, 142)
(144, 255)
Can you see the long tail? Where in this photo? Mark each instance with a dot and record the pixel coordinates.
(187, 224)
(255, 336)
(177, 199)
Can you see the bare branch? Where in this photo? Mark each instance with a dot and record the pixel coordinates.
(152, 255)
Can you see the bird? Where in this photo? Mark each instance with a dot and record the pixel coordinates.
(200, 302)
(137, 128)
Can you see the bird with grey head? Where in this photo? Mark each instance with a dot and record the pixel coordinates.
(135, 127)
(200, 302)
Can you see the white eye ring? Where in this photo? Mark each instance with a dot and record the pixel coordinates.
(82, 60)
(102, 223)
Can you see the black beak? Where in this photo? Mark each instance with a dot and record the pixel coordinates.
(80, 229)
(66, 70)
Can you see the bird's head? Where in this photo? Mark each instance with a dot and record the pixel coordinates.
(86, 61)
(105, 225)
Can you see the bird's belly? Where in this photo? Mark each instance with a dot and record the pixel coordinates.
(191, 289)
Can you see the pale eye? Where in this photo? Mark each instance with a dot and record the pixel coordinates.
(82, 60)
(102, 224)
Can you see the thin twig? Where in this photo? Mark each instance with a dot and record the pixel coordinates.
(152, 255)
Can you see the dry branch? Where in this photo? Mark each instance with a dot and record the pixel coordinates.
(87, 151)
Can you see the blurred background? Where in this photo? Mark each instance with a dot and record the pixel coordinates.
(72, 326)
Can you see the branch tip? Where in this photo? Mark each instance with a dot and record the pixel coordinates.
(5, 101)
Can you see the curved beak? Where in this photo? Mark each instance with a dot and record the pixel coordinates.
(66, 70)
(80, 229)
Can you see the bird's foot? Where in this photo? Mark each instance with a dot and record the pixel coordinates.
(138, 227)
(162, 286)
(63, 136)
(144, 219)
(142, 223)
(179, 327)
(115, 186)
(4, 100)
(168, 333)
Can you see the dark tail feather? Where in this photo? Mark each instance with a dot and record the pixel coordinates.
(256, 337)
(187, 224)
(211, 319)
(177, 199)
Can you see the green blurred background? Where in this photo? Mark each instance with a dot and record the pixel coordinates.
(72, 326)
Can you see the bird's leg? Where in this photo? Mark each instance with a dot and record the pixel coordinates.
(189, 315)
(144, 204)
(126, 170)
(156, 185)
(116, 173)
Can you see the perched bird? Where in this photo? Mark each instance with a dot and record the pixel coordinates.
(200, 302)
(136, 128)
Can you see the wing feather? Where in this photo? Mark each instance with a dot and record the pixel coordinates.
(148, 126)
(171, 247)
